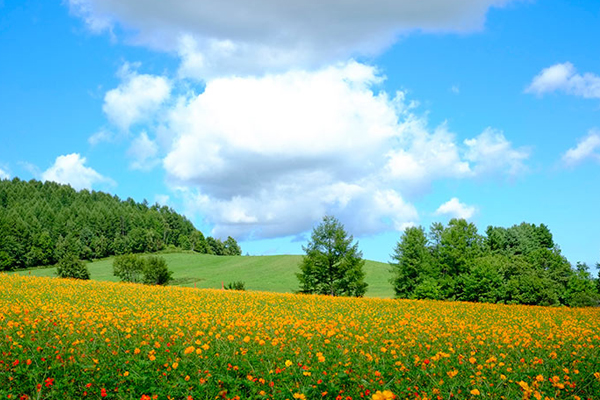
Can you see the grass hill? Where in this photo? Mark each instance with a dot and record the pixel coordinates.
(264, 273)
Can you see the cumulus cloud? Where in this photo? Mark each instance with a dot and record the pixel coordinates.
(455, 209)
(70, 169)
(491, 152)
(136, 99)
(4, 174)
(564, 77)
(143, 152)
(268, 156)
(587, 147)
(242, 36)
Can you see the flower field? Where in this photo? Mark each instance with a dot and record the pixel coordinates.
(65, 339)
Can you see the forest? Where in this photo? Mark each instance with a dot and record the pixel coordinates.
(519, 265)
(41, 222)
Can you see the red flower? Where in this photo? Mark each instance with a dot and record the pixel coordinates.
(49, 382)
(102, 392)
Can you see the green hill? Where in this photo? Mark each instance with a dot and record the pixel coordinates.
(264, 273)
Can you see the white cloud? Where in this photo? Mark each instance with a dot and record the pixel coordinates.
(587, 147)
(136, 99)
(248, 37)
(564, 77)
(162, 199)
(143, 151)
(455, 209)
(101, 136)
(70, 169)
(491, 152)
(4, 174)
(269, 156)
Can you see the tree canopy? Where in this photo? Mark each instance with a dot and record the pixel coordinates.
(520, 264)
(43, 222)
(332, 264)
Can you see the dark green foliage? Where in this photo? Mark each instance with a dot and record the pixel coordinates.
(151, 270)
(42, 222)
(520, 264)
(156, 271)
(332, 265)
(581, 290)
(69, 266)
(236, 285)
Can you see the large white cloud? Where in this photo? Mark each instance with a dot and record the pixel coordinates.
(70, 169)
(136, 99)
(564, 77)
(221, 37)
(455, 209)
(587, 147)
(269, 156)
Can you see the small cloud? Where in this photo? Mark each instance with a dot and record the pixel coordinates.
(143, 152)
(136, 99)
(587, 147)
(100, 137)
(492, 152)
(564, 77)
(162, 199)
(4, 174)
(70, 169)
(455, 209)
(455, 89)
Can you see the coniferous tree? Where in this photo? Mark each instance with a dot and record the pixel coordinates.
(332, 264)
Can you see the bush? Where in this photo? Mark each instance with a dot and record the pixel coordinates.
(151, 270)
(70, 266)
(156, 271)
(129, 268)
(237, 285)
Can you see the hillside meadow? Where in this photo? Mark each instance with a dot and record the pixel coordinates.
(68, 339)
(263, 273)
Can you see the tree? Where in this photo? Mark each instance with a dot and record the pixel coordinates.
(332, 264)
(232, 248)
(412, 261)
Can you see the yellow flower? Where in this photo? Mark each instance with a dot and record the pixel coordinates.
(385, 395)
(189, 350)
(175, 365)
(288, 363)
(475, 392)
(299, 396)
(452, 373)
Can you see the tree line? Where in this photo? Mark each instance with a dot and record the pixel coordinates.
(517, 265)
(44, 222)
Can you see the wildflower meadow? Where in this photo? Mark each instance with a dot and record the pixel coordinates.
(68, 339)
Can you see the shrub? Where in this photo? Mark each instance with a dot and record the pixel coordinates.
(237, 285)
(151, 270)
(70, 266)
(156, 271)
(129, 268)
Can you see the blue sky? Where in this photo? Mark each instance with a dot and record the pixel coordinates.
(257, 120)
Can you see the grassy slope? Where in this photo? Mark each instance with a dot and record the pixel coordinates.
(267, 273)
